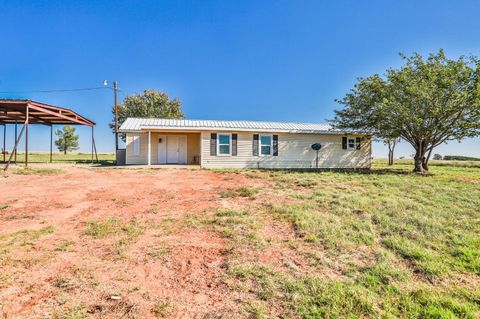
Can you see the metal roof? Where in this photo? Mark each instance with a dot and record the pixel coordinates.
(15, 111)
(139, 124)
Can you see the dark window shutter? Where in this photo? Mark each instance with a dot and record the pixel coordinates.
(358, 142)
(275, 145)
(234, 144)
(213, 144)
(255, 145)
(344, 142)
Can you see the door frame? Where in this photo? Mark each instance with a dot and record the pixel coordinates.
(164, 159)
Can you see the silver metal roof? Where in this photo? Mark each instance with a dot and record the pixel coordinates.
(138, 124)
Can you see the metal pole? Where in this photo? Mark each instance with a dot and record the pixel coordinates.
(115, 87)
(26, 137)
(15, 140)
(15, 147)
(92, 144)
(51, 141)
(4, 140)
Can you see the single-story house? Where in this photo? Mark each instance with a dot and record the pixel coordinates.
(242, 144)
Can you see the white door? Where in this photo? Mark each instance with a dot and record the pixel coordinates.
(162, 149)
(172, 150)
(182, 150)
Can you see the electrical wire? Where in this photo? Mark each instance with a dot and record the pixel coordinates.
(59, 90)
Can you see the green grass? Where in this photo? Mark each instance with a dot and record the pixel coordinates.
(239, 192)
(73, 158)
(112, 226)
(162, 308)
(37, 171)
(402, 245)
(75, 312)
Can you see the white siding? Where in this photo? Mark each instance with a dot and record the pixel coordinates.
(130, 158)
(294, 151)
(193, 147)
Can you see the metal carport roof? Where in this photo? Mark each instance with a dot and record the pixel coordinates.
(26, 112)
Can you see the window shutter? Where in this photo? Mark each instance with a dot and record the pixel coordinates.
(344, 142)
(234, 144)
(275, 145)
(255, 145)
(358, 142)
(213, 144)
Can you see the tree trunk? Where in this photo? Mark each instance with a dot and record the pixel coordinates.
(390, 157)
(425, 164)
(418, 164)
(391, 149)
(425, 160)
(420, 158)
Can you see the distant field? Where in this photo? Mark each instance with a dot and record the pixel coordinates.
(221, 244)
(78, 158)
(405, 163)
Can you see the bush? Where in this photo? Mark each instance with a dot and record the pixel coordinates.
(460, 158)
(437, 157)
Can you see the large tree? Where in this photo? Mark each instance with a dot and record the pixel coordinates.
(67, 139)
(426, 102)
(151, 103)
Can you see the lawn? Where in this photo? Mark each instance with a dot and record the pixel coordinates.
(244, 244)
(72, 157)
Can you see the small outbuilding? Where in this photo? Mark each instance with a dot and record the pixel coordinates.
(243, 144)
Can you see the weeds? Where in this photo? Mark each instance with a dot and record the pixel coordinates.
(37, 171)
(75, 312)
(240, 192)
(163, 308)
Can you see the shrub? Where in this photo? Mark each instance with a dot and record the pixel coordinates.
(460, 158)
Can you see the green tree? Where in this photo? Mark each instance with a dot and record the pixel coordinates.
(151, 103)
(67, 139)
(426, 102)
(437, 157)
(391, 143)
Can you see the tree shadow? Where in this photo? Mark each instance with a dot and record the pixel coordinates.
(349, 171)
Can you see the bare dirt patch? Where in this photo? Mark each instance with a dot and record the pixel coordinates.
(149, 254)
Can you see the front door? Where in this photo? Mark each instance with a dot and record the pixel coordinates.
(173, 150)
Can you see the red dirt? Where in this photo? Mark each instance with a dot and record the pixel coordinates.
(168, 262)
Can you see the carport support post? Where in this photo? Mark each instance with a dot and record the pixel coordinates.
(4, 140)
(26, 136)
(92, 144)
(51, 141)
(149, 147)
(15, 150)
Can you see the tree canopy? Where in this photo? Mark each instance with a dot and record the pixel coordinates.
(426, 102)
(67, 139)
(151, 103)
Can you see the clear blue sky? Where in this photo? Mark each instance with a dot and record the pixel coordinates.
(252, 60)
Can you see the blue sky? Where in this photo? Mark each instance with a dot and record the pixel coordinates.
(246, 60)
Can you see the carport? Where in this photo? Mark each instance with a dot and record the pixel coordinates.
(27, 112)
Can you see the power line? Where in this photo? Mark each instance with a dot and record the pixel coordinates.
(59, 90)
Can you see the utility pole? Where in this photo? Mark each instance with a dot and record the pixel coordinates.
(115, 87)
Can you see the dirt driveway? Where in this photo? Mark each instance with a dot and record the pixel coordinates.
(111, 243)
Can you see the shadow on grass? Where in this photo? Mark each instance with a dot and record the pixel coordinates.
(96, 163)
(350, 171)
(100, 163)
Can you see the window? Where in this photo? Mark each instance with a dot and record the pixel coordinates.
(136, 145)
(265, 145)
(224, 144)
(351, 143)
